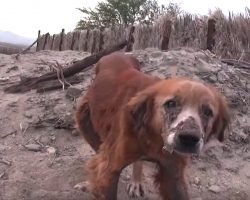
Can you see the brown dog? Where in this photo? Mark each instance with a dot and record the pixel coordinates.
(127, 116)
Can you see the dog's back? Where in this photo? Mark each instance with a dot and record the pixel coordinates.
(118, 78)
(117, 63)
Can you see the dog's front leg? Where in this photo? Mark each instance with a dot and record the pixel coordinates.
(110, 190)
(171, 179)
(103, 177)
(135, 188)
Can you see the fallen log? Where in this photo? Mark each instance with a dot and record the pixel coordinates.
(33, 82)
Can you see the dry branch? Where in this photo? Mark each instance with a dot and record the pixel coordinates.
(7, 134)
(4, 161)
(27, 49)
(32, 82)
(237, 63)
(54, 84)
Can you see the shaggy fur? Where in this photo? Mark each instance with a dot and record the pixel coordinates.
(127, 116)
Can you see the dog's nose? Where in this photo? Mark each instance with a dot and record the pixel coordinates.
(188, 139)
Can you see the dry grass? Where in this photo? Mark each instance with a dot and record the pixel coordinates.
(189, 30)
(233, 35)
(148, 35)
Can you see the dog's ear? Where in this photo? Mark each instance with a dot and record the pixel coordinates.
(222, 119)
(141, 110)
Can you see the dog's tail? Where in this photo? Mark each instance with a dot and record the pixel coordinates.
(85, 126)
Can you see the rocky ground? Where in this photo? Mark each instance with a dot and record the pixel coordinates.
(42, 157)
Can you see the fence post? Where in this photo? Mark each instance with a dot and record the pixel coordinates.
(131, 39)
(86, 41)
(94, 35)
(45, 40)
(73, 41)
(211, 31)
(38, 41)
(101, 39)
(61, 39)
(165, 33)
(52, 42)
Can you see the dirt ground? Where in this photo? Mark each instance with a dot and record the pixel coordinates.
(42, 157)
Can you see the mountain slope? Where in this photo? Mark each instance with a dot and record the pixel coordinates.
(9, 37)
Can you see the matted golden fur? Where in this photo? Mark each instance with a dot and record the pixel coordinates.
(127, 116)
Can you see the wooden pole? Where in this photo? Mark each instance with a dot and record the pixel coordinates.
(27, 49)
(86, 41)
(52, 42)
(73, 41)
(61, 39)
(38, 41)
(45, 40)
(94, 35)
(131, 39)
(165, 34)
(101, 39)
(211, 31)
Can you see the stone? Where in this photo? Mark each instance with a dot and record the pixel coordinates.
(197, 181)
(45, 140)
(52, 138)
(73, 92)
(51, 150)
(197, 198)
(156, 54)
(215, 189)
(4, 79)
(75, 133)
(33, 147)
(28, 115)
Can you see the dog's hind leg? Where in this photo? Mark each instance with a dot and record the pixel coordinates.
(85, 126)
(135, 188)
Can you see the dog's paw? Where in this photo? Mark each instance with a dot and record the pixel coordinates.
(82, 186)
(135, 190)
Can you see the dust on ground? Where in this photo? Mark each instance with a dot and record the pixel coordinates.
(42, 157)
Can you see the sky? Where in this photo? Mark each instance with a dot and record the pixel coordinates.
(26, 17)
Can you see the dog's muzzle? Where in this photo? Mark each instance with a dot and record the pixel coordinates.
(187, 142)
(185, 138)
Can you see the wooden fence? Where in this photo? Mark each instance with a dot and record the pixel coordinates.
(187, 30)
(6, 48)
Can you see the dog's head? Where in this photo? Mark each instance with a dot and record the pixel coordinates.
(178, 115)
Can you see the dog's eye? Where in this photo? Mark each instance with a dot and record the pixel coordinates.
(207, 111)
(171, 104)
